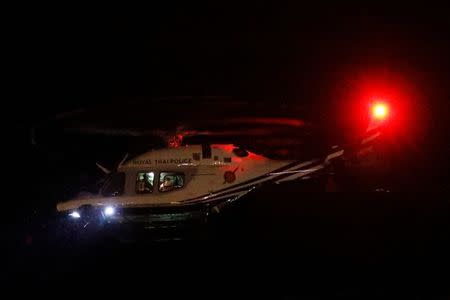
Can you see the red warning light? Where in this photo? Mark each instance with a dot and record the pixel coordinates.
(380, 111)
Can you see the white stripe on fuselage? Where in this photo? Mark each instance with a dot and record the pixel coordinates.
(250, 185)
(301, 173)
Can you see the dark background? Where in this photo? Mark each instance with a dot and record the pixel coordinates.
(324, 58)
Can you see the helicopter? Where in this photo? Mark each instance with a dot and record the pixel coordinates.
(185, 180)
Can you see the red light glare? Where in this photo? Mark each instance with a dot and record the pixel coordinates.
(380, 111)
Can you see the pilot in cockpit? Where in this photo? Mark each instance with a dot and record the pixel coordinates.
(144, 184)
(167, 184)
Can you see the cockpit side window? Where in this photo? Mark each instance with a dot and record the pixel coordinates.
(114, 185)
(144, 182)
(169, 181)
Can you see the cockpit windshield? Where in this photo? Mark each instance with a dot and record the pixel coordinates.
(114, 185)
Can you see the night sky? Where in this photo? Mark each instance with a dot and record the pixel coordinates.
(326, 59)
(224, 50)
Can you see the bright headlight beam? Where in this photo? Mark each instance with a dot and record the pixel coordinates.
(109, 211)
(75, 215)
